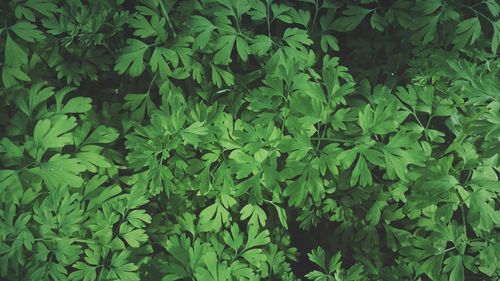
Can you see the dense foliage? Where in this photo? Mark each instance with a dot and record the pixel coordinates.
(249, 140)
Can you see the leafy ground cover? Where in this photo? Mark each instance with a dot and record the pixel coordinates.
(249, 140)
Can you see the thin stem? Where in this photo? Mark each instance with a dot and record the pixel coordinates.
(335, 140)
(447, 250)
(237, 23)
(477, 4)
(235, 16)
(151, 83)
(463, 221)
(286, 116)
(315, 14)
(456, 246)
(475, 11)
(165, 14)
(428, 122)
(414, 113)
(267, 19)
(251, 39)
(321, 137)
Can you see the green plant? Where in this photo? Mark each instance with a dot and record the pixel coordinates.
(249, 140)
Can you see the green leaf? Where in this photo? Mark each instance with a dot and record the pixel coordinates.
(280, 12)
(220, 75)
(242, 48)
(214, 216)
(331, 270)
(15, 56)
(377, 22)
(161, 59)
(329, 41)
(282, 216)
(428, 7)
(61, 170)
(234, 238)
(102, 134)
(297, 38)
(353, 16)
(493, 7)
(11, 75)
(426, 29)
(138, 218)
(374, 213)
(194, 132)
(121, 269)
(467, 32)
(361, 173)
(215, 270)
(256, 238)
(317, 256)
(261, 45)
(11, 189)
(132, 58)
(457, 269)
(52, 134)
(205, 28)
(296, 191)
(83, 272)
(255, 213)
(44, 7)
(244, 163)
(91, 158)
(301, 17)
(225, 47)
(27, 31)
(495, 41)
(144, 28)
(135, 237)
(77, 105)
(482, 215)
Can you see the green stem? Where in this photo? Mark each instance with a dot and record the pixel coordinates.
(335, 140)
(315, 14)
(237, 23)
(165, 14)
(463, 220)
(267, 19)
(475, 11)
(152, 82)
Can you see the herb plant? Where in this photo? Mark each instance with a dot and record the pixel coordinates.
(249, 140)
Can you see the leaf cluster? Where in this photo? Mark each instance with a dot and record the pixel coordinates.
(249, 140)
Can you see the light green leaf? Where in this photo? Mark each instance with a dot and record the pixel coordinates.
(132, 58)
(242, 48)
(467, 32)
(61, 170)
(27, 31)
(225, 47)
(135, 237)
(353, 16)
(297, 38)
(77, 105)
